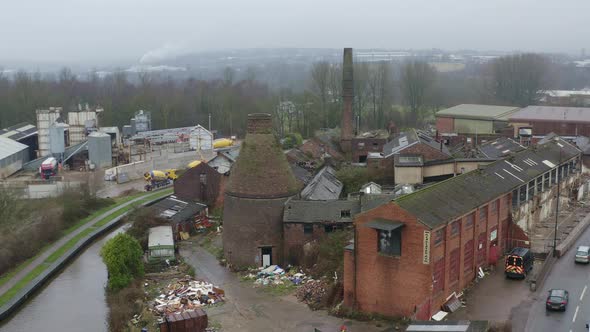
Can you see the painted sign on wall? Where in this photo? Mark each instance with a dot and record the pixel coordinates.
(426, 252)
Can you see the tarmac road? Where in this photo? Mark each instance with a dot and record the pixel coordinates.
(575, 278)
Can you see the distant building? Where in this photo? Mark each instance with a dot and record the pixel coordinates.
(366, 143)
(534, 122)
(566, 97)
(411, 254)
(468, 120)
(411, 148)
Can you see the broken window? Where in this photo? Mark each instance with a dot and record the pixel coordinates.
(494, 207)
(203, 179)
(546, 181)
(483, 214)
(554, 176)
(522, 194)
(455, 227)
(531, 190)
(515, 198)
(307, 228)
(439, 236)
(469, 220)
(390, 242)
(539, 181)
(344, 213)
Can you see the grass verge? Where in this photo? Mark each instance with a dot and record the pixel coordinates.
(4, 298)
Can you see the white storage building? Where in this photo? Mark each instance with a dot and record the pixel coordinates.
(12, 156)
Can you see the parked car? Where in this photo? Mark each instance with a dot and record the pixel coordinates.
(557, 299)
(518, 263)
(583, 254)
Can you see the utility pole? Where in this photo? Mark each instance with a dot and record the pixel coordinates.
(557, 173)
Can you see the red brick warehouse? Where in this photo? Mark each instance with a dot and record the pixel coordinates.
(412, 253)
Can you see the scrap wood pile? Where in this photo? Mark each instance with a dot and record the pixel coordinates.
(186, 294)
(312, 292)
(275, 275)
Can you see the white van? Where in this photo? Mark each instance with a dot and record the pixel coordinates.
(583, 254)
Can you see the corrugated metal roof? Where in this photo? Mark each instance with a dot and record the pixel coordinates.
(19, 131)
(324, 186)
(160, 236)
(479, 112)
(500, 147)
(552, 113)
(447, 200)
(9, 147)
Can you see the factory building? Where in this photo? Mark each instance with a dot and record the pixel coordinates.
(412, 254)
(24, 133)
(533, 123)
(12, 156)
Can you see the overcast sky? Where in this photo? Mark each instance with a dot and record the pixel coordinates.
(107, 30)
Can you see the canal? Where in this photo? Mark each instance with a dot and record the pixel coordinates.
(73, 301)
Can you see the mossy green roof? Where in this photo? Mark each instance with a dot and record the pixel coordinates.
(261, 170)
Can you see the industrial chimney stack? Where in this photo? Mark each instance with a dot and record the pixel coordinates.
(347, 98)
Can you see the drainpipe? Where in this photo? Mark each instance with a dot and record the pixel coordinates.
(354, 302)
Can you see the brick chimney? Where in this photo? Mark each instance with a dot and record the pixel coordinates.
(347, 98)
(259, 123)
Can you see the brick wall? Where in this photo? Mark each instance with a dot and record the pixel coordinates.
(404, 286)
(295, 238)
(445, 125)
(390, 285)
(362, 146)
(189, 186)
(250, 224)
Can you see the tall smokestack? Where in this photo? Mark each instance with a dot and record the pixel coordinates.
(347, 98)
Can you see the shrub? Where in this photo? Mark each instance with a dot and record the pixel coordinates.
(123, 257)
(141, 221)
(352, 178)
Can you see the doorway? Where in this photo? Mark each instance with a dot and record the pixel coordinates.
(266, 256)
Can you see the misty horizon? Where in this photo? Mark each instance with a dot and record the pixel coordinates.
(111, 32)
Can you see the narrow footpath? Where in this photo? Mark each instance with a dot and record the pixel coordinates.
(251, 309)
(56, 245)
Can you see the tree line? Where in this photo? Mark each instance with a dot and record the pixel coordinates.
(407, 93)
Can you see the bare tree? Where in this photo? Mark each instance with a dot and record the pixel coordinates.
(320, 76)
(519, 79)
(417, 79)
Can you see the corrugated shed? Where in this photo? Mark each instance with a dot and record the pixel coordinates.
(160, 236)
(442, 202)
(324, 186)
(10, 147)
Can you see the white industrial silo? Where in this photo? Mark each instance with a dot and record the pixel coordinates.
(99, 149)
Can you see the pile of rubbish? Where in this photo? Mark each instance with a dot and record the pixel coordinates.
(186, 294)
(275, 275)
(312, 292)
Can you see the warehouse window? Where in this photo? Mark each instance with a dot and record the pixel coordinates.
(483, 214)
(439, 236)
(494, 207)
(390, 242)
(455, 265)
(307, 228)
(455, 228)
(438, 284)
(344, 213)
(468, 250)
(203, 179)
(469, 220)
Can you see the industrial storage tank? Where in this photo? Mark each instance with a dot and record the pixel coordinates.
(45, 118)
(143, 121)
(260, 183)
(201, 139)
(99, 149)
(57, 144)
